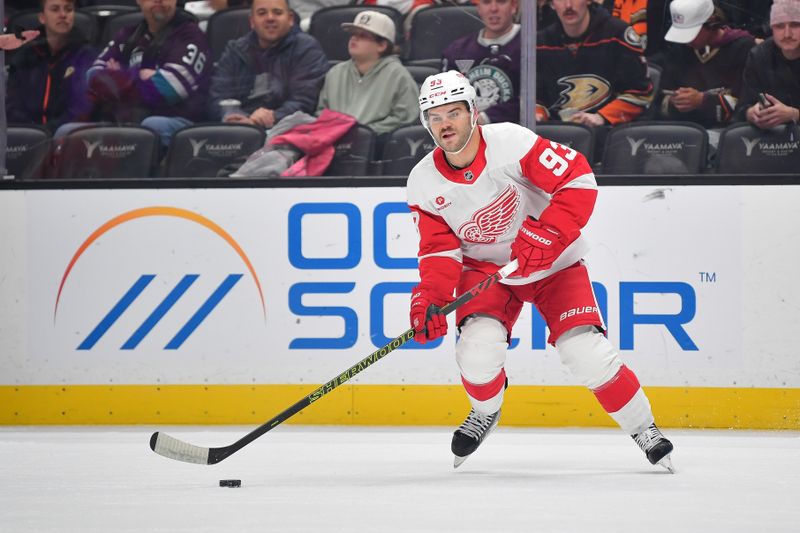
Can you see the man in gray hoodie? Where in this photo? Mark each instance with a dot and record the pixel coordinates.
(372, 86)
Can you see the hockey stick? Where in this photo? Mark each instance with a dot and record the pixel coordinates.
(173, 448)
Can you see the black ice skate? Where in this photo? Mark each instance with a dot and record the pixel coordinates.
(656, 447)
(472, 432)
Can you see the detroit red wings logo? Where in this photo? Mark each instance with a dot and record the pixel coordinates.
(493, 221)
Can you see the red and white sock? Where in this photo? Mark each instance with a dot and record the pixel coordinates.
(624, 400)
(487, 397)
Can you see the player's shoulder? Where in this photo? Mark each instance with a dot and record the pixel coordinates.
(507, 132)
(420, 178)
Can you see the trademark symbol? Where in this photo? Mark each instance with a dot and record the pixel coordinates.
(708, 277)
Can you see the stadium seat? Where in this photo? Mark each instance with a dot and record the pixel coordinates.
(27, 147)
(743, 148)
(106, 152)
(576, 136)
(29, 20)
(117, 22)
(203, 150)
(354, 153)
(224, 26)
(326, 27)
(102, 13)
(420, 72)
(404, 148)
(645, 148)
(434, 28)
(654, 73)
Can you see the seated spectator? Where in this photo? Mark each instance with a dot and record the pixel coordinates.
(272, 71)
(156, 72)
(773, 70)
(12, 41)
(47, 77)
(702, 80)
(490, 59)
(372, 86)
(590, 67)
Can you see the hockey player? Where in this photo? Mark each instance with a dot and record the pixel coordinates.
(490, 194)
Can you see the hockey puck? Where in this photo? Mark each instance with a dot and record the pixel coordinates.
(230, 482)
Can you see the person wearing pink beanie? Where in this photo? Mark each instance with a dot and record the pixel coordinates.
(773, 69)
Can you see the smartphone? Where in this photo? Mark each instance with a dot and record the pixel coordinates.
(762, 99)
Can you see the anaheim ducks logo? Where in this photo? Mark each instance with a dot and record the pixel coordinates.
(493, 221)
(584, 92)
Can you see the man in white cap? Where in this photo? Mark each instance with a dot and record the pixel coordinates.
(702, 79)
(372, 86)
(773, 71)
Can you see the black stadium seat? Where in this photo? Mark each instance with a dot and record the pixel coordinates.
(576, 136)
(203, 150)
(404, 148)
(117, 22)
(27, 147)
(224, 26)
(420, 72)
(106, 152)
(743, 148)
(434, 28)
(325, 26)
(29, 20)
(102, 13)
(354, 153)
(645, 148)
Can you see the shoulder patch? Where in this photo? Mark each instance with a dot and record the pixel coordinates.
(633, 38)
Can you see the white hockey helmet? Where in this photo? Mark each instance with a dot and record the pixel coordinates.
(445, 88)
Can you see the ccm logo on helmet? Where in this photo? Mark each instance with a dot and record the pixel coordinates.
(532, 235)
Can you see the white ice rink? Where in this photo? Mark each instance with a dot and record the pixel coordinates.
(390, 480)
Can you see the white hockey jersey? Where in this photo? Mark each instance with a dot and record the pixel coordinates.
(472, 215)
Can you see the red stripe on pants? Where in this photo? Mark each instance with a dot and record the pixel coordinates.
(614, 394)
(487, 390)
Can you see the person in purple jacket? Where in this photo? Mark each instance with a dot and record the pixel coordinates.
(157, 72)
(490, 59)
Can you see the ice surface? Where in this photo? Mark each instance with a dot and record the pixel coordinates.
(390, 480)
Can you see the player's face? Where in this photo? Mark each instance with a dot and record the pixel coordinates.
(450, 125)
(364, 46)
(573, 14)
(271, 20)
(157, 12)
(57, 17)
(787, 37)
(497, 16)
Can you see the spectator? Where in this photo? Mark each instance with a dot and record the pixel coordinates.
(156, 72)
(273, 71)
(590, 67)
(47, 77)
(773, 69)
(490, 59)
(372, 86)
(702, 80)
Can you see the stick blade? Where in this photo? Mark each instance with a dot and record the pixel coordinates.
(176, 449)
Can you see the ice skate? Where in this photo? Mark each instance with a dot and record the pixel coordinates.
(471, 434)
(656, 447)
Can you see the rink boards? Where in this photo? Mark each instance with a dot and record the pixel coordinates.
(228, 305)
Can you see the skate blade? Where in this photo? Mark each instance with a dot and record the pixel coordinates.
(457, 461)
(666, 462)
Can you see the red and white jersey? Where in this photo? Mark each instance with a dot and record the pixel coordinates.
(472, 215)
